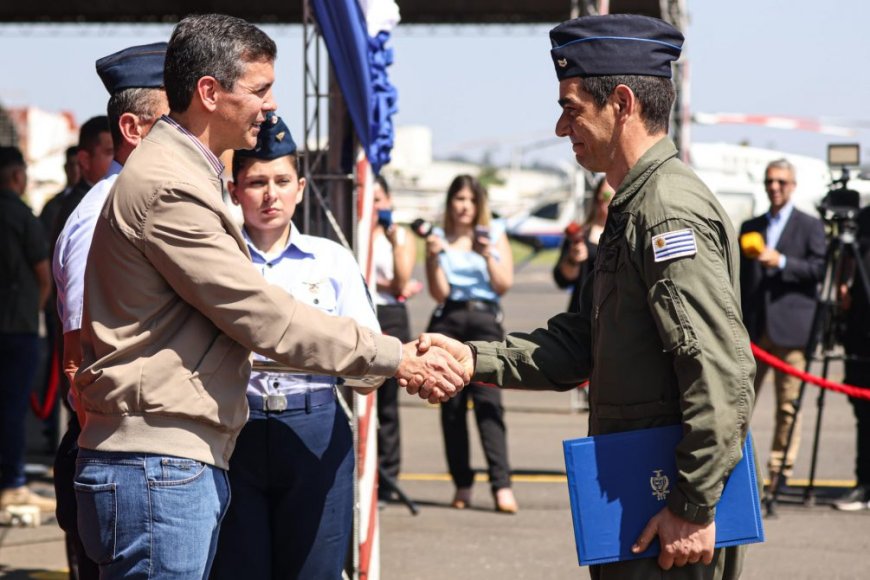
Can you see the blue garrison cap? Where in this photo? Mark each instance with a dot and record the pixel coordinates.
(615, 44)
(273, 141)
(134, 67)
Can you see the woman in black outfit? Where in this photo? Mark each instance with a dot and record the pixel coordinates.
(577, 256)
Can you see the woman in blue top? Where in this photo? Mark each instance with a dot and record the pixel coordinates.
(468, 267)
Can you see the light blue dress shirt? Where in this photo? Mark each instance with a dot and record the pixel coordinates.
(320, 273)
(775, 226)
(71, 250)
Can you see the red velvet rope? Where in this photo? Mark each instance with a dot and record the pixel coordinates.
(779, 365)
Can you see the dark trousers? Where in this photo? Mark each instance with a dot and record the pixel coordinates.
(475, 321)
(80, 565)
(489, 414)
(858, 374)
(291, 513)
(19, 354)
(393, 319)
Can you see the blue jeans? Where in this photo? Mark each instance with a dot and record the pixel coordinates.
(149, 516)
(18, 364)
(292, 512)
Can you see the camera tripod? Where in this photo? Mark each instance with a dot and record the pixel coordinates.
(842, 251)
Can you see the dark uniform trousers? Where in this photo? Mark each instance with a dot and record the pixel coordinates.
(393, 319)
(473, 320)
(727, 565)
(291, 513)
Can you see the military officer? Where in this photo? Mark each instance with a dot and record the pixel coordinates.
(666, 292)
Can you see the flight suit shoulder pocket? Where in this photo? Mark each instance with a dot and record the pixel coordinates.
(672, 319)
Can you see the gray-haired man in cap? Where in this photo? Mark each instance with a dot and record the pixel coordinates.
(666, 296)
(134, 79)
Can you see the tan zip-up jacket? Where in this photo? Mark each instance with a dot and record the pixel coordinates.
(173, 308)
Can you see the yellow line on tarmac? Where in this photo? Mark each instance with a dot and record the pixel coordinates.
(819, 482)
(549, 478)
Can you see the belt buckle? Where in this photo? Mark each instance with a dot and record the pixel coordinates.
(274, 402)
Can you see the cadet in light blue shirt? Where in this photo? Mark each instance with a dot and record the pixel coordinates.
(291, 474)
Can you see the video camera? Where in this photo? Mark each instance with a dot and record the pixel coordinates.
(840, 205)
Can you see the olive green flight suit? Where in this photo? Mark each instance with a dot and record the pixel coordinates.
(662, 342)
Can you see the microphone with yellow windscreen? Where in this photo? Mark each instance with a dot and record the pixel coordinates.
(752, 244)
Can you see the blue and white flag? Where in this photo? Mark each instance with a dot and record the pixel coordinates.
(676, 244)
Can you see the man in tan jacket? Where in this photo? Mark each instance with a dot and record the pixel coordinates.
(173, 309)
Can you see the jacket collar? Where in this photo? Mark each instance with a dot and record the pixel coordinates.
(165, 134)
(663, 150)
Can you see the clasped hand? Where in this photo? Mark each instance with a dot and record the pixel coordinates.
(683, 542)
(435, 367)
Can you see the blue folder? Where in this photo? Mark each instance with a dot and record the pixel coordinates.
(617, 482)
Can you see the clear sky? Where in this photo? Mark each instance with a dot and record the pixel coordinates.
(494, 88)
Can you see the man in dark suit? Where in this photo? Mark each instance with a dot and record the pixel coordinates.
(779, 290)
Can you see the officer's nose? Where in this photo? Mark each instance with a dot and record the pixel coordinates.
(562, 128)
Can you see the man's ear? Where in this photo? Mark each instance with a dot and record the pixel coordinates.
(231, 188)
(83, 158)
(131, 131)
(207, 89)
(624, 101)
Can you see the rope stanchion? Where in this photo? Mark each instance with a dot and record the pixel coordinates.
(769, 359)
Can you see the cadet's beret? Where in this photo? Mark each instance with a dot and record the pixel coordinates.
(615, 44)
(134, 67)
(273, 141)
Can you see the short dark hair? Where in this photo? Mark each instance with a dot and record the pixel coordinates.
(142, 102)
(89, 134)
(211, 45)
(655, 94)
(10, 160)
(71, 151)
(242, 161)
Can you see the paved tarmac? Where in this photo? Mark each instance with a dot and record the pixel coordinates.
(480, 544)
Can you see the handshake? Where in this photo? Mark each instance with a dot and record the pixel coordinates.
(435, 367)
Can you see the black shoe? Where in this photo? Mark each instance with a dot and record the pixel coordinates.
(856, 500)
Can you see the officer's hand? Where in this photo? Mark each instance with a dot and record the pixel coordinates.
(433, 374)
(683, 542)
(458, 350)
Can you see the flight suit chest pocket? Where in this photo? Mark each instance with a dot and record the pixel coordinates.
(607, 266)
(609, 261)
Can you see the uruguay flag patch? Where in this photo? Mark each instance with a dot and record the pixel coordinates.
(677, 244)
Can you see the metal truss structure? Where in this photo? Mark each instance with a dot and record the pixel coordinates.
(328, 209)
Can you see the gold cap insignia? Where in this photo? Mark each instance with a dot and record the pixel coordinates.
(279, 137)
(562, 62)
